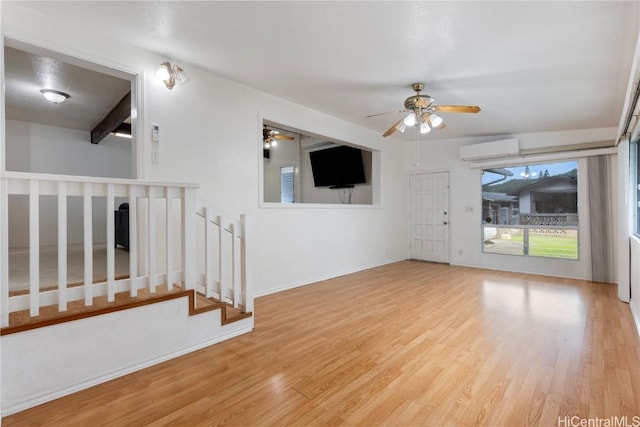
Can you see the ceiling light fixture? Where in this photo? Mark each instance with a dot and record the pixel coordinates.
(169, 74)
(54, 96)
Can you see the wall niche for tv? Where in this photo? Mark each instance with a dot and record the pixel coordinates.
(301, 167)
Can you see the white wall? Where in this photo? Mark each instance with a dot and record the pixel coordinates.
(36, 368)
(466, 201)
(32, 147)
(211, 134)
(39, 148)
(294, 244)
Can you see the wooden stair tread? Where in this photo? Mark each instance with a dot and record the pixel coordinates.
(49, 315)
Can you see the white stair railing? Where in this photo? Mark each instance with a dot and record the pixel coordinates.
(147, 200)
(223, 274)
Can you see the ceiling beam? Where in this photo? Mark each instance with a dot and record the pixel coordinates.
(116, 116)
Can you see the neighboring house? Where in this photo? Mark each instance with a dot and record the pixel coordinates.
(553, 195)
(499, 208)
(556, 195)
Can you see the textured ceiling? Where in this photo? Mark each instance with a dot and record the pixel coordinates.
(530, 66)
(91, 94)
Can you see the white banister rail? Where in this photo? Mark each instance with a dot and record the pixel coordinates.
(224, 274)
(147, 268)
(154, 221)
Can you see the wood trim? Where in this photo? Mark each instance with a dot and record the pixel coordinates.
(225, 316)
(77, 316)
(237, 315)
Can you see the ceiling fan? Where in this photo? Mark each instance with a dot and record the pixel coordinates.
(270, 137)
(422, 112)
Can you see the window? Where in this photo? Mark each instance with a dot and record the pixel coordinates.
(531, 210)
(286, 184)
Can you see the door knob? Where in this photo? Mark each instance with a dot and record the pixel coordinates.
(445, 223)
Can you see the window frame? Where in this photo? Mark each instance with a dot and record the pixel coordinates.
(548, 229)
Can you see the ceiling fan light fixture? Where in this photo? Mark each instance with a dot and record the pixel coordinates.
(421, 108)
(54, 96)
(267, 144)
(274, 143)
(435, 120)
(410, 120)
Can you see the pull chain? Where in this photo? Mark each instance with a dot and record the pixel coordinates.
(417, 162)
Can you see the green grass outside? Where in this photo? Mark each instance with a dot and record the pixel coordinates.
(551, 246)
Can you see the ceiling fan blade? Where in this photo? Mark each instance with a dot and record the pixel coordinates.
(283, 137)
(388, 112)
(393, 128)
(457, 108)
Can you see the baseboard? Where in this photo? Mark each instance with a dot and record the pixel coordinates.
(320, 279)
(636, 315)
(47, 397)
(534, 273)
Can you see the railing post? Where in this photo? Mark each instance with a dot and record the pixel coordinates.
(235, 290)
(221, 264)
(111, 244)
(62, 246)
(34, 248)
(246, 265)
(169, 239)
(208, 251)
(188, 238)
(133, 240)
(151, 239)
(4, 252)
(88, 244)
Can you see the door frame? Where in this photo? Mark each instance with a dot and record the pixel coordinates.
(408, 206)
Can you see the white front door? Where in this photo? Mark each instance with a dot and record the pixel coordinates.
(429, 217)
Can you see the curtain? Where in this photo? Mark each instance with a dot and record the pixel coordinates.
(600, 224)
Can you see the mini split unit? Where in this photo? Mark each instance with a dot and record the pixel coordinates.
(490, 150)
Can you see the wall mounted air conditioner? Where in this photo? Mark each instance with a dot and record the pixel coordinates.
(490, 150)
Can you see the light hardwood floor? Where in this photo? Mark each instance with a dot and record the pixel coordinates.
(408, 344)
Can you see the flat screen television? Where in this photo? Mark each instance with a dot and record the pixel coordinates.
(337, 167)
